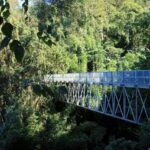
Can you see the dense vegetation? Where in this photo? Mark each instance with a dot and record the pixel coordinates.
(60, 36)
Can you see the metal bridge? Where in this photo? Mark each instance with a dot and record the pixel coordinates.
(124, 95)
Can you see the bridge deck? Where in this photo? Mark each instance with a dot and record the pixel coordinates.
(139, 78)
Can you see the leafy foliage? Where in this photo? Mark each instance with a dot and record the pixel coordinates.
(1, 20)
(121, 144)
(61, 36)
(7, 29)
(5, 42)
(18, 50)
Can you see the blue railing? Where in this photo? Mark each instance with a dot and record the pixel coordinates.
(139, 78)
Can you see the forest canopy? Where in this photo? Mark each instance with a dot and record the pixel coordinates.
(65, 36)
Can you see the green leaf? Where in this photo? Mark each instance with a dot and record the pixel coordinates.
(7, 29)
(26, 18)
(25, 7)
(49, 42)
(42, 90)
(3, 8)
(4, 42)
(6, 14)
(7, 5)
(1, 2)
(42, 27)
(39, 34)
(1, 20)
(18, 50)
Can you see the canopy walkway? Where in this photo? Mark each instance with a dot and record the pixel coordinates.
(124, 95)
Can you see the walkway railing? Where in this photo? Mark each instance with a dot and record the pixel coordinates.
(140, 78)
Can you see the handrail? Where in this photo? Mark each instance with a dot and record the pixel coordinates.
(136, 78)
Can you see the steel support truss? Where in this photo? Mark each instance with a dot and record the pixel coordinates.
(128, 104)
